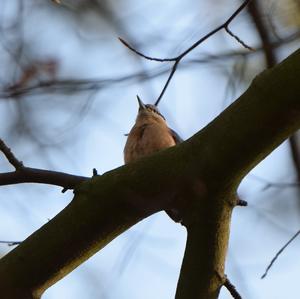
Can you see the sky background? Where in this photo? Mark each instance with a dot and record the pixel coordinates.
(78, 123)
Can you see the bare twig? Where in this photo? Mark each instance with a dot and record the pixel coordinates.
(42, 176)
(232, 289)
(143, 55)
(11, 243)
(255, 13)
(81, 85)
(238, 39)
(229, 286)
(10, 156)
(270, 184)
(178, 58)
(278, 253)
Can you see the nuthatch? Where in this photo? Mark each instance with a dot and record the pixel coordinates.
(149, 134)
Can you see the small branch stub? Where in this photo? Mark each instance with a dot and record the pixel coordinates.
(242, 203)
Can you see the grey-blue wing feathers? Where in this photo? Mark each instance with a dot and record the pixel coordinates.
(176, 137)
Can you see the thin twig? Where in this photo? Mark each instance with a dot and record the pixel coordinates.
(143, 55)
(229, 286)
(11, 243)
(238, 39)
(278, 253)
(81, 85)
(178, 58)
(258, 18)
(231, 289)
(10, 156)
(269, 184)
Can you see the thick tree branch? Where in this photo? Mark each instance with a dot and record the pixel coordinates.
(240, 137)
(271, 60)
(208, 169)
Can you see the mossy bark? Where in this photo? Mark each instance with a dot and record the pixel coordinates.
(205, 170)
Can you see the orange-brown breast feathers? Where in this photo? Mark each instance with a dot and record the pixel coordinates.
(145, 139)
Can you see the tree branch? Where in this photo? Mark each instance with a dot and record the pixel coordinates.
(81, 85)
(35, 175)
(269, 184)
(271, 60)
(10, 243)
(24, 174)
(295, 149)
(279, 252)
(243, 140)
(178, 58)
(232, 289)
(238, 39)
(229, 286)
(10, 156)
(262, 30)
(209, 168)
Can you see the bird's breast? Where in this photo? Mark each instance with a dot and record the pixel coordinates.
(147, 139)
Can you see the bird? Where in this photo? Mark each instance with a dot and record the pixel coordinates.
(150, 134)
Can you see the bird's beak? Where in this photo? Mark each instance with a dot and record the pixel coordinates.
(141, 104)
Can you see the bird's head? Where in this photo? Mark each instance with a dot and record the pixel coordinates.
(148, 111)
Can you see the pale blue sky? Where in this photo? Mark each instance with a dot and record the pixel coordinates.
(145, 261)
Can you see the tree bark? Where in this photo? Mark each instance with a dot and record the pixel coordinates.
(204, 171)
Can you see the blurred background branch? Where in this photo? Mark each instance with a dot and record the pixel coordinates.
(67, 97)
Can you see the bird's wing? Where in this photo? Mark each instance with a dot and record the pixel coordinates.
(176, 137)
